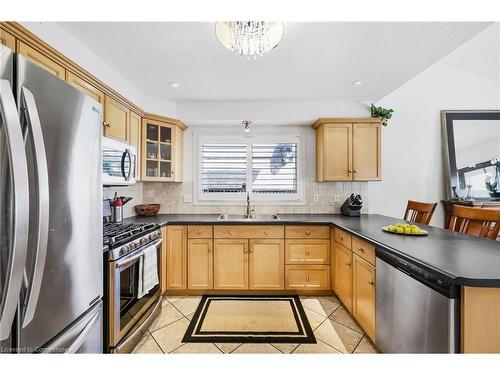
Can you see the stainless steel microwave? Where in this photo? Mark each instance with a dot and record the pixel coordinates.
(119, 163)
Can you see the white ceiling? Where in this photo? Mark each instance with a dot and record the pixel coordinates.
(314, 61)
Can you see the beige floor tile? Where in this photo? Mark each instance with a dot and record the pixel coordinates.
(285, 348)
(338, 336)
(322, 305)
(169, 337)
(366, 347)
(187, 305)
(342, 316)
(319, 348)
(147, 345)
(314, 318)
(173, 298)
(197, 348)
(226, 347)
(169, 314)
(256, 349)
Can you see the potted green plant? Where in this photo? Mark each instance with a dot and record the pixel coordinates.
(384, 114)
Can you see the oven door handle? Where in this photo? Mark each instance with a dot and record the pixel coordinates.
(134, 256)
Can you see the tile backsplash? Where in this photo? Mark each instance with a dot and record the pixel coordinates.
(134, 191)
(171, 198)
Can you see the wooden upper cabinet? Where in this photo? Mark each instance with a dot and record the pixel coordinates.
(84, 87)
(134, 139)
(176, 257)
(116, 119)
(366, 153)
(230, 264)
(267, 264)
(7, 39)
(348, 149)
(363, 294)
(200, 264)
(41, 60)
(162, 150)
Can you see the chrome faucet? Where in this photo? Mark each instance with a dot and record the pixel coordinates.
(249, 211)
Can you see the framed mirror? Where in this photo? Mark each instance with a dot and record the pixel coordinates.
(471, 145)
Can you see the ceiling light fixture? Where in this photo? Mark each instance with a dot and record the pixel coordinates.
(249, 39)
(246, 125)
(174, 85)
(357, 83)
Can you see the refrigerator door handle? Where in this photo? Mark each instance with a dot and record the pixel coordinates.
(34, 128)
(20, 195)
(73, 348)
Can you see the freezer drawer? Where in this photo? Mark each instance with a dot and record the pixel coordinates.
(411, 317)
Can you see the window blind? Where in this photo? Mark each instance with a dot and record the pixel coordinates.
(224, 168)
(274, 168)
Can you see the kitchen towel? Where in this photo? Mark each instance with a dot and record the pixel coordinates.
(148, 271)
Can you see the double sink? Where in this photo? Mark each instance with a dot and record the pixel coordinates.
(225, 217)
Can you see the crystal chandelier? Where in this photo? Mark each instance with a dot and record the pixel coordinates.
(249, 39)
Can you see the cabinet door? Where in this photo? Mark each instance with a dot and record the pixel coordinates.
(176, 257)
(333, 259)
(8, 40)
(116, 117)
(231, 264)
(84, 87)
(200, 264)
(337, 152)
(135, 140)
(343, 274)
(267, 264)
(363, 294)
(41, 60)
(163, 260)
(366, 152)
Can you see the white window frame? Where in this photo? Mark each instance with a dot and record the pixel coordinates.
(201, 198)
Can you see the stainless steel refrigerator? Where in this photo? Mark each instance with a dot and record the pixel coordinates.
(50, 213)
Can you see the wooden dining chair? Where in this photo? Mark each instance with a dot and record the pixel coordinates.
(481, 222)
(419, 212)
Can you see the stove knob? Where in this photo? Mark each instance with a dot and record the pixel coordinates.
(125, 249)
(132, 246)
(151, 236)
(143, 241)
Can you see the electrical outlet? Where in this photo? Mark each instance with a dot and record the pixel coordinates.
(188, 198)
(316, 198)
(336, 198)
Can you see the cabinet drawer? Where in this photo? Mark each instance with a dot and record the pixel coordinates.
(343, 238)
(199, 231)
(364, 250)
(307, 277)
(307, 231)
(307, 251)
(249, 231)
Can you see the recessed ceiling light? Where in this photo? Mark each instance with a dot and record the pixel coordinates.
(174, 85)
(357, 83)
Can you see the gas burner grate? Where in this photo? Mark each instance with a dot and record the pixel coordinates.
(114, 233)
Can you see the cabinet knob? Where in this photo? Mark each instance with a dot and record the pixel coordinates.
(354, 171)
(198, 231)
(361, 249)
(230, 232)
(307, 252)
(245, 250)
(348, 264)
(341, 238)
(209, 249)
(172, 172)
(251, 249)
(106, 124)
(266, 233)
(307, 277)
(308, 232)
(371, 282)
(350, 170)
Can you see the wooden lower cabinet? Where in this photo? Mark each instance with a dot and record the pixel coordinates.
(305, 251)
(343, 275)
(163, 261)
(230, 264)
(333, 259)
(176, 257)
(307, 277)
(200, 264)
(363, 294)
(266, 265)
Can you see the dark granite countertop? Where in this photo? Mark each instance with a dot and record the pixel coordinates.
(463, 259)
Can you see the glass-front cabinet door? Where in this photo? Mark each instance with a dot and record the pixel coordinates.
(162, 145)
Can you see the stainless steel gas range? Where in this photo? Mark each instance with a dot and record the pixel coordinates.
(128, 313)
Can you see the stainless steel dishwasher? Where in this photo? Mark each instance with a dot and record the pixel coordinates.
(416, 309)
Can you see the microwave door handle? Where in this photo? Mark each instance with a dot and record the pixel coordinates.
(20, 195)
(34, 129)
(126, 174)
